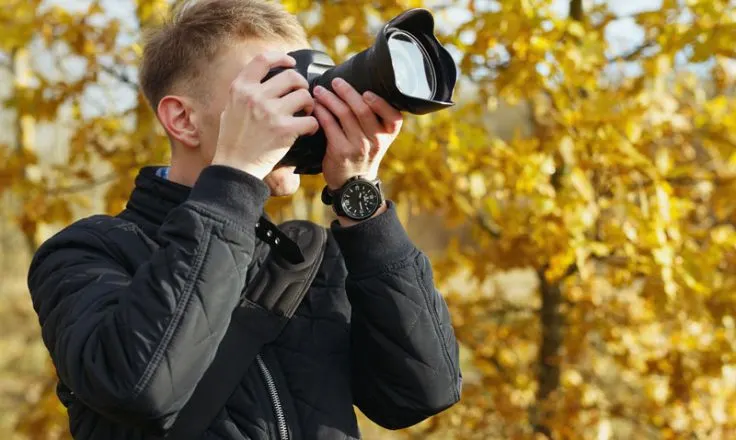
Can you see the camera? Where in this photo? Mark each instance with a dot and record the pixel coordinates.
(406, 66)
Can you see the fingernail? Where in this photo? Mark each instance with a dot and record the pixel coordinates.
(338, 82)
(369, 96)
(318, 90)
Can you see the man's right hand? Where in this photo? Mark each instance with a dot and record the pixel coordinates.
(258, 125)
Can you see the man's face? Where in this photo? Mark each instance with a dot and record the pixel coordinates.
(282, 181)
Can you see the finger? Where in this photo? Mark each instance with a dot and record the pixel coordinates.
(283, 83)
(344, 114)
(329, 124)
(296, 101)
(262, 63)
(390, 117)
(302, 125)
(364, 113)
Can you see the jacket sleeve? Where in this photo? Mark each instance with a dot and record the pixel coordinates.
(404, 353)
(133, 342)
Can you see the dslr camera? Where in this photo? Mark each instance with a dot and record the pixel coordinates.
(406, 66)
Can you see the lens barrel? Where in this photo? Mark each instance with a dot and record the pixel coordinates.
(373, 68)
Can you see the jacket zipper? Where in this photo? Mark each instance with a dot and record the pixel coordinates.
(277, 408)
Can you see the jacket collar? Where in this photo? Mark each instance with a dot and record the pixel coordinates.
(154, 197)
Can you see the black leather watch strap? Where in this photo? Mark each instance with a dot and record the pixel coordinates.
(327, 196)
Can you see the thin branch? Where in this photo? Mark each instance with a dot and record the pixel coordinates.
(633, 53)
(678, 182)
(380, 8)
(502, 312)
(122, 77)
(501, 65)
(505, 374)
(84, 186)
(489, 226)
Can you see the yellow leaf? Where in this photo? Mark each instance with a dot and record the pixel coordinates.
(567, 150)
(663, 201)
(633, 130)
(576, 29)
(581, 183)
(477, 185)
(663, 160)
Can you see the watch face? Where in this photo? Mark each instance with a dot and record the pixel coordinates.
(360, 200)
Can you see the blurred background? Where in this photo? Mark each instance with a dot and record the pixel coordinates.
(578, 202)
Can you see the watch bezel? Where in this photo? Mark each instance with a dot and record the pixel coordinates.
(360, 182)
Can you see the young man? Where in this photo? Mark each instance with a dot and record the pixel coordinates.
(133, 306)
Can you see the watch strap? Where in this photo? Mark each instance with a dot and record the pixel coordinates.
(333, 198)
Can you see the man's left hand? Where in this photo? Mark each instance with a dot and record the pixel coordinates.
(359, 130)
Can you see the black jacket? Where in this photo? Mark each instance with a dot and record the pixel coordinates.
(132, 309)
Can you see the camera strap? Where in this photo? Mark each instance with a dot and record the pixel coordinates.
(233, 358)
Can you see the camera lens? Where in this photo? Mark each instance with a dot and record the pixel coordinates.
(413, 70)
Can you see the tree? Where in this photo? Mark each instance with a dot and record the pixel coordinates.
(613, 192)
(617, 200)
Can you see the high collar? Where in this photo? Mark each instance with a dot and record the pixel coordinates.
(154, 197)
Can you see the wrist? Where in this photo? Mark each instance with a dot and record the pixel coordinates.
(357, 200)
(254, 170)
(347, 222)
(378, 242)
(258, 172)
(230, 192)
(335, 183)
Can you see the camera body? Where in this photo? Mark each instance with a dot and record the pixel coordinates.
(308, 151)
(406, 66)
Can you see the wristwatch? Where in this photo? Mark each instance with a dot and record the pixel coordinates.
(357, 199)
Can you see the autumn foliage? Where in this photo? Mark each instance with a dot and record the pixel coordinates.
(587, 194)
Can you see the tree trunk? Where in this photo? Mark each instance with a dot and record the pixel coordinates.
(552, 322)
(550, 350)
(576, 10)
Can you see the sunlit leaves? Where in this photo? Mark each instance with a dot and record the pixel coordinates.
(608, 174)
(622, 178)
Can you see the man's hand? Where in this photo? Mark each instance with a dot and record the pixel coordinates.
(360, 136)
(258, 125)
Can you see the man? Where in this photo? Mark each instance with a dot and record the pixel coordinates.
(133, 306)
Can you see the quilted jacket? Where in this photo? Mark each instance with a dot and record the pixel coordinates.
(132, 308)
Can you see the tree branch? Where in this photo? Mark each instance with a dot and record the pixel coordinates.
(122, 77)
(489, 226)
(678, 182)
(576, 10)
(633, 53)
(83, 186)
(501, 369)
(507, 309)
(501, 65)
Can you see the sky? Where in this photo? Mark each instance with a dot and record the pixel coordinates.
(622, 35)
(111, 96)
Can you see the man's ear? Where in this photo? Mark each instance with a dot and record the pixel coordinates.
(177, 116)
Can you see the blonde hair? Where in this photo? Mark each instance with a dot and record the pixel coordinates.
(180, 50)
